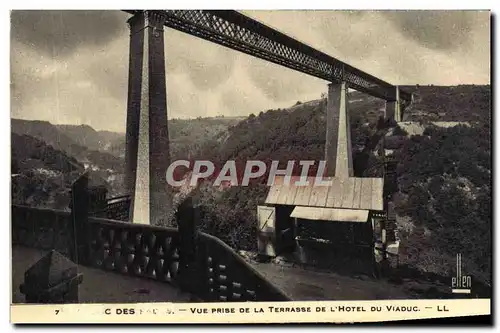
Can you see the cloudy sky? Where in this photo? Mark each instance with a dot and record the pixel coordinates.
(71, 67)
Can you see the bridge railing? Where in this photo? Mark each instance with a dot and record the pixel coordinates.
(197, 263)
(217, 272)
(116, 208)
(134, 249)
(41, 228)
(226, 277)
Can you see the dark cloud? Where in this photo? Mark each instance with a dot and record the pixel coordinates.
(442, 30)
(59, 33)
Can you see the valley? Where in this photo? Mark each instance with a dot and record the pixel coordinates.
(443, 202)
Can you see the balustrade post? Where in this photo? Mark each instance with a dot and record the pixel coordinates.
(202, 274)
(79, 239)
(186, 220)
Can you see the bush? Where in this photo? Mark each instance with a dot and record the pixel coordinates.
(231, 214)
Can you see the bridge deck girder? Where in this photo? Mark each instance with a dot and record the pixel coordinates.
(242, 33)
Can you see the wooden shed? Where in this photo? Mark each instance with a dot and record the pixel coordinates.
(334, 217)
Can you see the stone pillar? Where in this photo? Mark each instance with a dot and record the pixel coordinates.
(390, 110)
(133, 103)
(398, 110)
(147, 150)
(393, 109)
(338, 154)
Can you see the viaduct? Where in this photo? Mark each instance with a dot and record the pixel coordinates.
(147, 141)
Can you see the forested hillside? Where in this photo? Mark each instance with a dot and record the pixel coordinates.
(443, 200)
(46, 158)
(444, 205)
(297, 133)
(41, 175)
(86, 136)
(444, 174)
(453, 103)
(48, 133)
(70, 140)
(187, 136)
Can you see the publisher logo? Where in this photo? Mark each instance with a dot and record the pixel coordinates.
(461, 283)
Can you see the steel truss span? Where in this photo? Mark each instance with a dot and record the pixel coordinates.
(239, 32)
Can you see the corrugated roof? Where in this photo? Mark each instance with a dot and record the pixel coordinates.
(345, 192)
(330, 214)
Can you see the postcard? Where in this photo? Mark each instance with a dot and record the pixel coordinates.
(272, 166)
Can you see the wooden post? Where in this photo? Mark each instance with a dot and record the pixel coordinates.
(79, 226)
(186, 221)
